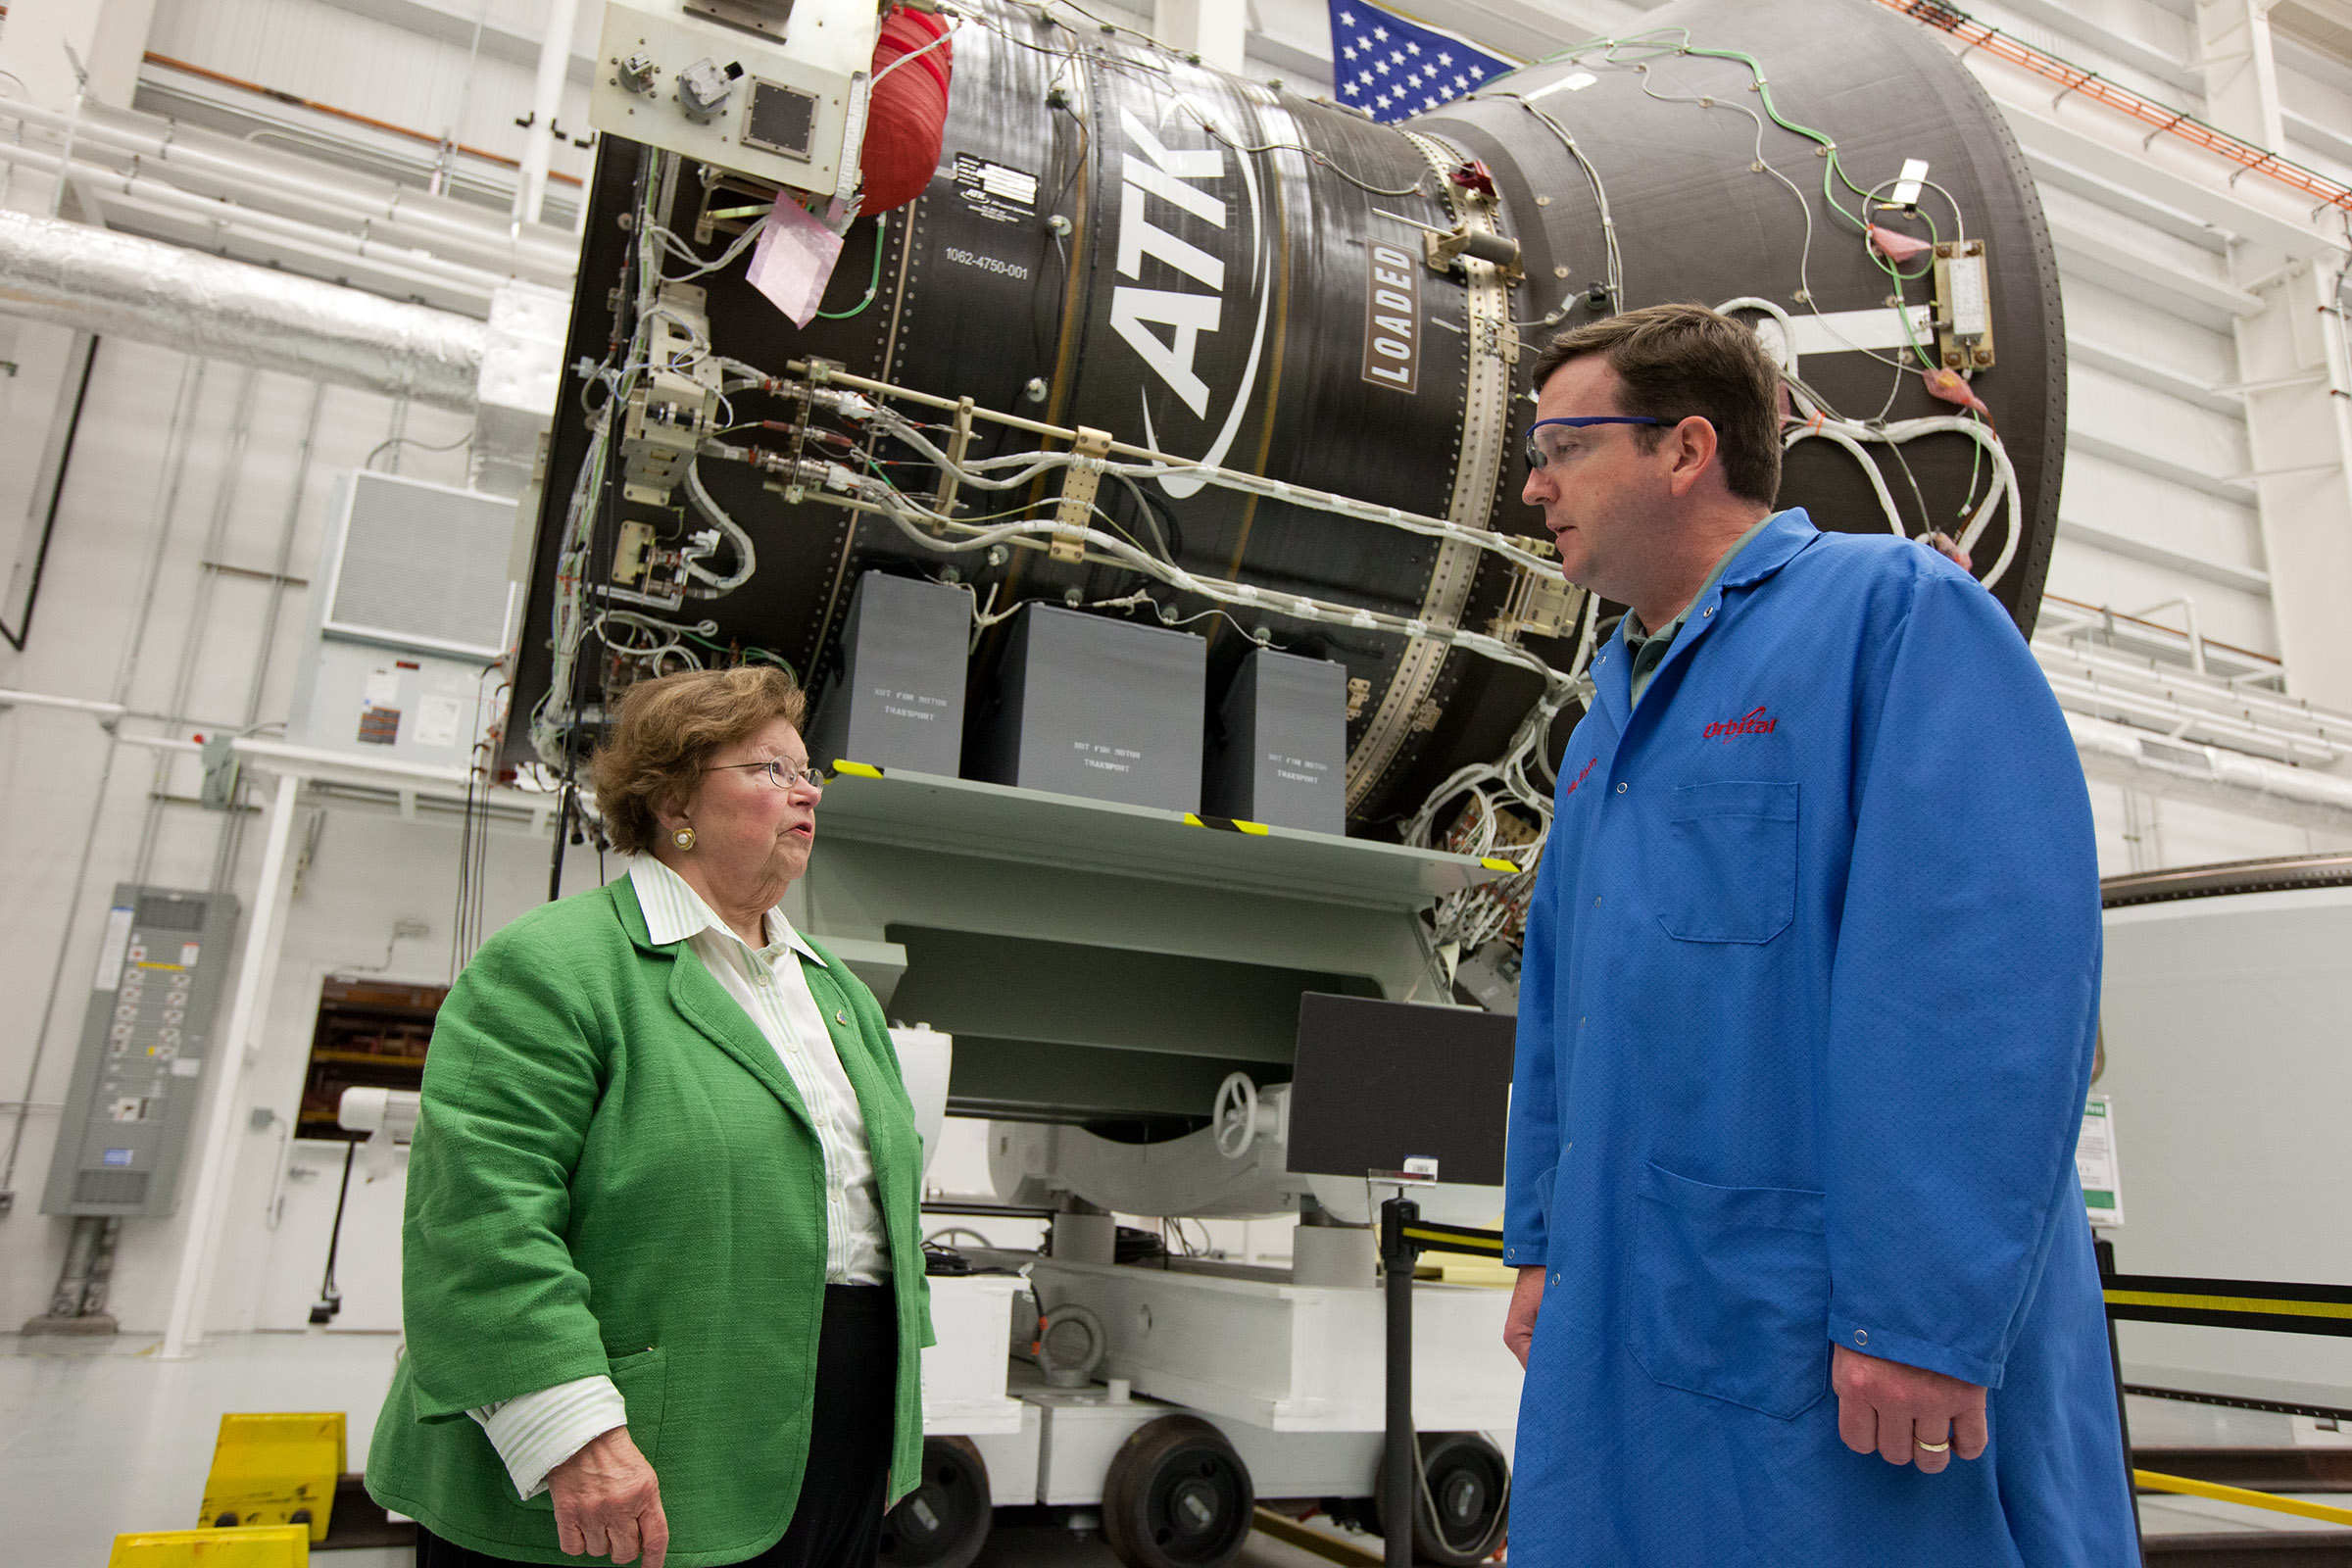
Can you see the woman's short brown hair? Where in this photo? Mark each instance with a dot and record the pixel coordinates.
(1675, 361)
(663, 735)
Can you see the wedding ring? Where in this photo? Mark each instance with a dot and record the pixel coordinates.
(1944, 1447)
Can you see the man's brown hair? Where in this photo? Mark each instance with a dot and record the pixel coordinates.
(665, 732)
(1677, 361)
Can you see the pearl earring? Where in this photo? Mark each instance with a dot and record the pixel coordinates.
(683, 838)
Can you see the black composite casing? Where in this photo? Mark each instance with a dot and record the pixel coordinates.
(1255, 357)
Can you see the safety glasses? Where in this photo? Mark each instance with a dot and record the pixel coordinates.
(1547, 439)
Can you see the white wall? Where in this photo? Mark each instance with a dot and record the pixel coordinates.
(120, 511)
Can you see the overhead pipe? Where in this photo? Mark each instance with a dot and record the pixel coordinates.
(119, 285)
(389, 211)
(2154, 764)
(352, 263)
(359, 252)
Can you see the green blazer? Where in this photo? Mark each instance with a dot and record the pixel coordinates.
(613, 1173)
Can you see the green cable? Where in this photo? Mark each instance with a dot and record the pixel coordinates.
(873, 285)
(1832, 168)
(741, 651)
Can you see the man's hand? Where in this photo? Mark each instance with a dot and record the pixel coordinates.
(1519, 1323)
(607, 1502)
(1892, 1408)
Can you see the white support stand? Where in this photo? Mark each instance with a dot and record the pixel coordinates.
(265, 944)
(2241, 77)
(1216, 31)
(547, 102)
(2293, 362)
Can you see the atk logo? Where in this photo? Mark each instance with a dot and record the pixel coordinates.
(1159, 182)
(1754, 724)
(1578, 782)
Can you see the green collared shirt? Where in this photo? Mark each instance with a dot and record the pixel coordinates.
(1649, 648)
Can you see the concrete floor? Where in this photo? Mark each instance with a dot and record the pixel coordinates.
(101, 1439)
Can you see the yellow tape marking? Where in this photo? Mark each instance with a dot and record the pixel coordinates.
(1192, 820)
(1445, 1240)
(2232, 1303)
(1257, 829)
(843, 765)
(1493, 864)
(1268, 1522)
(2153, 1482)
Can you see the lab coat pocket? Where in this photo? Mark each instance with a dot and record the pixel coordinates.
(1728, 862)
(1729, 1292)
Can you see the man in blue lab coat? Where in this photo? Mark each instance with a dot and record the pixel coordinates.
(1805, 1028)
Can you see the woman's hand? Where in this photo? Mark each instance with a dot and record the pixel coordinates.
(608, 1503)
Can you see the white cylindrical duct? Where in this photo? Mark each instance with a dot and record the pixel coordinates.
(547, 102)
(2152, 765)
(153, 199)
(118, 284)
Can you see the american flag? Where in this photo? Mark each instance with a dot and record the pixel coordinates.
(1394, 69)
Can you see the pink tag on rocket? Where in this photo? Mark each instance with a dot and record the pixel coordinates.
(794, 260)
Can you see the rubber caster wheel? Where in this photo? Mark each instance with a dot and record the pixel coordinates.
(1470, 1482)
(944, 1522)
(1176, 1496)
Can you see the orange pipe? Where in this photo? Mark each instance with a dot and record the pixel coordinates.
(316, 107)
(2168, 121)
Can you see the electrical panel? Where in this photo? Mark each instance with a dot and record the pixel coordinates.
(770, 88)
(145, 1040)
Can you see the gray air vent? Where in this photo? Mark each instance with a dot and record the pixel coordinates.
(421, 565)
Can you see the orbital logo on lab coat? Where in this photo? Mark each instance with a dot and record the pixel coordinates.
(1754, 724)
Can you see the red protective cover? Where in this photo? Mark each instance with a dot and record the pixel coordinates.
(908, 111)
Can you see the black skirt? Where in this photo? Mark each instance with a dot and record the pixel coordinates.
(838, 1523)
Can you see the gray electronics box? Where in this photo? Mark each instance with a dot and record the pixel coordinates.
(1278, 753)
(1085, 705)
(896, 701)
(146, 1033)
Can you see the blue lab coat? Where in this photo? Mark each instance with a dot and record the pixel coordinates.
(1805, 1029)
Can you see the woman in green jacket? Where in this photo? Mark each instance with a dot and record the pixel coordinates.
(663, 1280)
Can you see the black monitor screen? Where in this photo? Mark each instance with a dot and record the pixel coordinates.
(1379, 1084)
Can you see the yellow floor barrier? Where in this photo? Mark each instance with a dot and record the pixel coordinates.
(260, 1546)
(274, 1470)
(2150, 1480)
